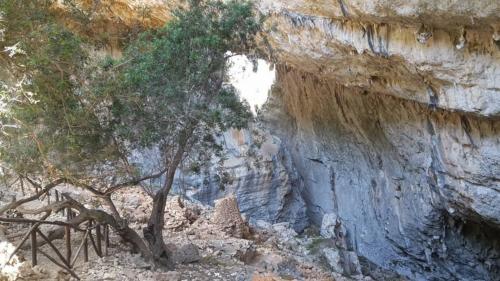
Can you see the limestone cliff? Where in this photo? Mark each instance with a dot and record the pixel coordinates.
(395, 49)
(417, 189)
(259, 171)
(391, 113)
(389, 116)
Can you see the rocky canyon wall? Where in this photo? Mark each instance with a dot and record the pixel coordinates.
(417, 189)
(259, 171)
(388, 116)
(391, 112)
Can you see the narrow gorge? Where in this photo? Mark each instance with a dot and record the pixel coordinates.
(390, 115)
(384, 115)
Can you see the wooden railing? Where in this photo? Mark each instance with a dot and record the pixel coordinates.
(92, 231)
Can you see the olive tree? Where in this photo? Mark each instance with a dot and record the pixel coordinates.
(171, 91)
(66, 124)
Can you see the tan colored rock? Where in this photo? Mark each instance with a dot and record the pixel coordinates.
(227, 216)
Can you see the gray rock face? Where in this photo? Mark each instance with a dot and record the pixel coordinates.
(332, 256)
(257, 169)
(351, 263)
(328, 225)
(417, 189)
(390, 110)
(259, 172)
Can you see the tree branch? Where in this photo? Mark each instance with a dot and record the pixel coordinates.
(44, 190)
(134, 182)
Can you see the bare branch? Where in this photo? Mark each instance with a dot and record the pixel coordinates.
(52, 208)
(44, 190)
(134, 182)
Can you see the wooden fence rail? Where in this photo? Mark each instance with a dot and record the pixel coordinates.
(67, 261)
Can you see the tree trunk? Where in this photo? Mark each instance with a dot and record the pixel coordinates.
(153, 232)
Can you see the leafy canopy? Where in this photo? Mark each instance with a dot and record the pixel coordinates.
(171, 84)
(51, 128)
(169, 90)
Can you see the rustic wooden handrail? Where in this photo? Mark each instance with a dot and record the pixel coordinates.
(68, 262)
(23, 220)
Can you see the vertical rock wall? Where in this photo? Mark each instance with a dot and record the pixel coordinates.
(258, 171)
(417, 188)
(391, 112)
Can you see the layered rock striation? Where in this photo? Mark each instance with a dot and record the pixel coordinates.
(391, 112)
(258, 170)
(441, 53)
(388, 118)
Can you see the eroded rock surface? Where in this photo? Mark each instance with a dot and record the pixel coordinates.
(442, 53)
(416, 188)
(391, 113)
(258, 171)
(388, 115)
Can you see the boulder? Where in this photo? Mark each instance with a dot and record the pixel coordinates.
(351, 263)
(228, 218)
(328, 224)
(260, 225)
(187, 253)
(332, 256)
(284, 231)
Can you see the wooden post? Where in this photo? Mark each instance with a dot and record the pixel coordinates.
(22, 185)
(86, 247)
(106, 239)
(48, 197)
(92, 239)
(67, 235)
(98, 238)
(107, 235)
(57, 196)
(58, 253)
(33, 247)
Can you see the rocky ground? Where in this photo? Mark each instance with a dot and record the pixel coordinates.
(206, 243)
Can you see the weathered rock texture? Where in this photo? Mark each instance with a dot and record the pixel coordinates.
(228, 217)
(391, 113)
(415, 188)
(442, 53)
(259, 172)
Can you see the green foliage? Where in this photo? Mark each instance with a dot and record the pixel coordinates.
(174, 79)
(53, 128)
(21, 17)
(170, 89)
(317, 243)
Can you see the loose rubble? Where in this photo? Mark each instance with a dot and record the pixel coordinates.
(206, 243)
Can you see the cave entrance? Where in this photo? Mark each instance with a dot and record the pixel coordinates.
(253, 83)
